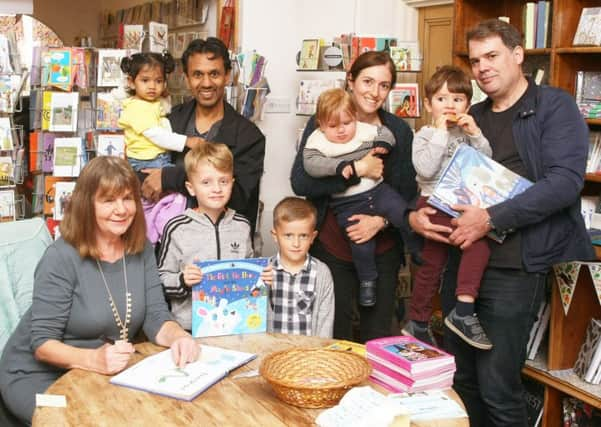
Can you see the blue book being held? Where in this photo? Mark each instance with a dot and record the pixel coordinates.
(230, 299)
(471, 178)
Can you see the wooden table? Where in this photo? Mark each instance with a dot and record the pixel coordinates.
(92, 400)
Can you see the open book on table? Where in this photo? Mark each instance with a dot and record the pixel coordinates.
(158, 374)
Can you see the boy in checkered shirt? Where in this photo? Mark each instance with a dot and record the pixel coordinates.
(302, 292)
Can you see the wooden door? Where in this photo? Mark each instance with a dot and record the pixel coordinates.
(435, 33)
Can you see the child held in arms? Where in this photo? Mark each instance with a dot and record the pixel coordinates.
(448, 95)
(335, 149)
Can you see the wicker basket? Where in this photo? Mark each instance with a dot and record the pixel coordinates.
(313, 377)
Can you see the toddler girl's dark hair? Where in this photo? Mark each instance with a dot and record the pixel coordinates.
(132, 65)
(456, 79)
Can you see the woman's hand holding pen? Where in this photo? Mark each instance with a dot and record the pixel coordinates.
(113, 358)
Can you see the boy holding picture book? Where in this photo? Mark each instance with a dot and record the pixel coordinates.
(448, 95)
(209, 232)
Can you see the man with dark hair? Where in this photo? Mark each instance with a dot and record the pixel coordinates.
(207, 67)
(537, 132)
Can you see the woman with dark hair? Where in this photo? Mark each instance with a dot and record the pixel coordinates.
(98, 283)
(369, 81)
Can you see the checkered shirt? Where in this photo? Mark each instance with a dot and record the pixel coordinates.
(292, 298)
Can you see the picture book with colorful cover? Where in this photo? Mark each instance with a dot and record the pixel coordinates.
(68, 156)
(471, 178)
(409, 354)
(108, 109)
(158, 374)
(230, 299)
(403, 100)
(60, 75)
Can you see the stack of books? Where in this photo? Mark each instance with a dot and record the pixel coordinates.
(403, 363)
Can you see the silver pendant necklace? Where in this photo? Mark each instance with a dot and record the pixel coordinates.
(123, 326)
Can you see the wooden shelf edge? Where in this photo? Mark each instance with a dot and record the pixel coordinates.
(595, 122)
(563, 386)
(578, 49)
(539, 51)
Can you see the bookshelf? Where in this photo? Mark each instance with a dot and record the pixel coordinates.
(561, 61)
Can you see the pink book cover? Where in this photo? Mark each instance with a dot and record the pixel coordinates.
(384, 372)
(409, 354)
(398, 387)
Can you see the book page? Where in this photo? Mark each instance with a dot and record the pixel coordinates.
(158, 374)
(363, 406)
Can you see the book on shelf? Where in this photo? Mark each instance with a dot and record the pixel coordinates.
(588, 32)
(404, 100)
(529, 24)
(35, 151)
(159, 375)
(6, 134)
(543, 12)
(471, 178)
(60, 111)
(539, 329)
(48, 151)
(62, 194)
(53, 227)
(7, 170)
(111, 145)
(589, 356)
(109, 67)
(59, 74)
(309, 91)
(594, 152)
(579, 414)
(405, 354)
(49, 192)
(309, 55)
(108, 110)
(534, 396)
(7, 205)
(230, 299)
(131, 37)
(406, 55)
(157, 36)
(67, 157)
(37, 195)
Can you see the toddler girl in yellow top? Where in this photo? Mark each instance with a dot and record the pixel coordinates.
(148, 134)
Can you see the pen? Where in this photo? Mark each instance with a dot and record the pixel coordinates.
(111, 341)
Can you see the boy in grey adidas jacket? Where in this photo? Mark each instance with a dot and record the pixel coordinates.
(209, 232)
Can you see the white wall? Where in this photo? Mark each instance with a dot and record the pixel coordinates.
(276, 28)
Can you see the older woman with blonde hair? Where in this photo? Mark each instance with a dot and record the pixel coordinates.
(98, 283)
